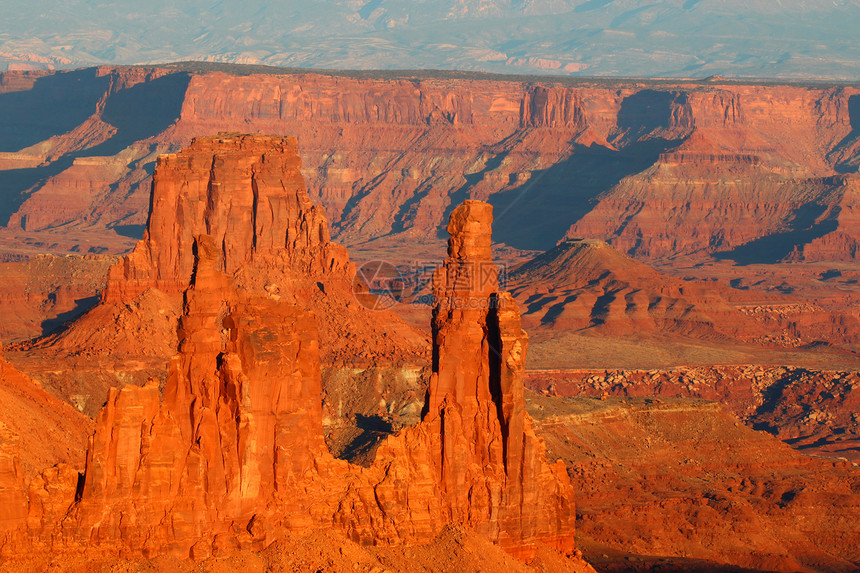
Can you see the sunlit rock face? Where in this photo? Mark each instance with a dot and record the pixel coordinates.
(232, 454)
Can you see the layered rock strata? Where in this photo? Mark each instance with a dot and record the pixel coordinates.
(234, 453)
(237, 434)
(247, 193)
(656, 169)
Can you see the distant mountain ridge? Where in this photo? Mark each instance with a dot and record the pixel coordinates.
(675, 38)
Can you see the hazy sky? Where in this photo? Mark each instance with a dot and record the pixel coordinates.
(693, 38)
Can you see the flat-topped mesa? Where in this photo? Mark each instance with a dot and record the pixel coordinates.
(247, 192)
(476, 401)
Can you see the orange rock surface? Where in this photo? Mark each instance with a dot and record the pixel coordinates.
(814, 411)
(454, 549)
(49, 431)
(755, 176)
(587, 284)
(388, 157)
(674, 172)
(248, 193)
(39, 295)
(586, 288)
(234, 453)
(476, 397)
(678, 484)
(37, 431)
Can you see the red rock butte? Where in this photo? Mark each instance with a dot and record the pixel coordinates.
(247, 194)
(233, 453)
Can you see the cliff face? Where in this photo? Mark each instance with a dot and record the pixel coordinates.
(389, 158)
(239, 429)
(233, 454)
(40, 294)
(247, 193)
(386, 155)
(677, 174)
(546, 145)
(12, 494)
(755, 179)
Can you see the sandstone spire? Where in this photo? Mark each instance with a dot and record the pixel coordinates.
(476, 400)
(247, 193)
(240, 426)
(233, 454)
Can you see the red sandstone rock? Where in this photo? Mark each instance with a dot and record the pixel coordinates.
(588, 285)
(41, 293)
(13, 500)
(385, 155)
(234, 452)
(36, 431)
(247, 192)
(709, 168)
(663, 483)
(476, 398)
(235, 437)
(48, 430)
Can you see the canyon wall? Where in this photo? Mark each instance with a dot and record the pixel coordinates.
(41, 294)
(656, 169)
(685, 175)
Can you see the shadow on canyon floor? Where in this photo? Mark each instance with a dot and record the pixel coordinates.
(803, 229)
(82, 305)
(138, 113)
(609, 561)
(535, 215)
(364, 438)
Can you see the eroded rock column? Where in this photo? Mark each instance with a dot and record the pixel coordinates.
(492, 467)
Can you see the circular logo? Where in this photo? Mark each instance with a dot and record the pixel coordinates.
(378, 285)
